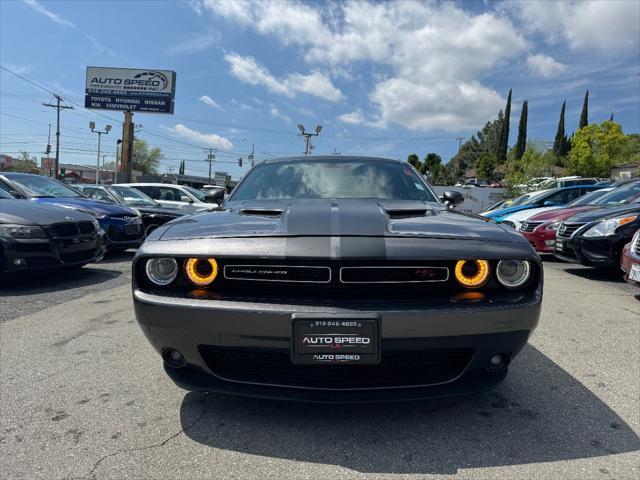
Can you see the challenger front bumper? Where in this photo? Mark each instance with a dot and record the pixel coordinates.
(193, 326)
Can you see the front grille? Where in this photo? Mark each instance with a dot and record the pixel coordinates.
(278, 273)
(417, 274)
(122, 234)
(567, 229)
(635, 247)
(75, 257)
(86, 228)
(529, 226)
(65, 229)
(397, 368)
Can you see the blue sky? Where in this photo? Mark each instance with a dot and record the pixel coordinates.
(382, 78)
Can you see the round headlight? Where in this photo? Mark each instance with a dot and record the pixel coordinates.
(472, 273)
(162, 271)
(513, 273)
(201, 271)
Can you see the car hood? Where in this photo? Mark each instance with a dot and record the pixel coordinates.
(604, 212)
(506, 211)
(94, 206)
(24, 212)
(559, 213)
(331, 217)
(525, 214)
(173, 212)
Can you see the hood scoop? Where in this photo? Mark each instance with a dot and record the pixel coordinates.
(400, 213)
(262, 212)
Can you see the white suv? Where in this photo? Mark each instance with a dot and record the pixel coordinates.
(174, 196)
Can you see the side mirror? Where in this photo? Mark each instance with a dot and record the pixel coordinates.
(452, 198)
(184, 198)
(215, 195)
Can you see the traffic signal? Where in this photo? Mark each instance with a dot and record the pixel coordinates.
(63, 170)
(240, 162)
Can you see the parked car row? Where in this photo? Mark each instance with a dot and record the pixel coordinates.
(597, 229)
(45, 223)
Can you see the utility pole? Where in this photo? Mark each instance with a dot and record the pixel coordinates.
(211, 158)
(126, 160)
(58, 107)
(251, 155)
(308, 135)
(459, 143)
(107, 129)
(115, 164)
(48, 152)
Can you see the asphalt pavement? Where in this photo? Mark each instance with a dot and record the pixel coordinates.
(83, 395)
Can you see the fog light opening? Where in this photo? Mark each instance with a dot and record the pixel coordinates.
(499, 362)
(173, 358)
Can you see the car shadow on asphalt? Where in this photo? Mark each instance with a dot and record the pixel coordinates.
(58, 280)
(596, 274)
(118, 256)
(539, 414)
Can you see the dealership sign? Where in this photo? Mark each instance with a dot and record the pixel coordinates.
(135, 90)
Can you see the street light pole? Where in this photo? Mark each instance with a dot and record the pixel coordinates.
(107, 128)
(307, 136)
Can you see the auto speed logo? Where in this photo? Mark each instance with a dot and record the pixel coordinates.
(156, 79)
(335, 342)
(145, 81)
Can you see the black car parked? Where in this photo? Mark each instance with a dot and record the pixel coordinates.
(153, 214)
(35, 235)
(596, 237)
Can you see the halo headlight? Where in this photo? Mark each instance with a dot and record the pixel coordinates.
(513, 273)
(472, 273)
(201, 271)
(162, 271)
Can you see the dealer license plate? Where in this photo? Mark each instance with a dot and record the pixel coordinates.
(340, 340)
(131, 229)
(634, 273)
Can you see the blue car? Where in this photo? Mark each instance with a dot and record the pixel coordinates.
(123, 225)
(555, 197)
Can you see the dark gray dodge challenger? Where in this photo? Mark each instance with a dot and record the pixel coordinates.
(337, 279)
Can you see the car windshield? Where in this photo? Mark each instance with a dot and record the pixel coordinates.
(624, 194)
(587, 199)
(4, 194)
(133, 197)
(196, 193)
(38, 186)
(315, 179)
(520, 200)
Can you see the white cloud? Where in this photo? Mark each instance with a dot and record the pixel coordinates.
(353, 118)
(209, 139)
(544, 65)
(601, 25)
(197, 42)
(247, 70)
(207, 100)
(427, 51)
(275, 113)
(60, 20)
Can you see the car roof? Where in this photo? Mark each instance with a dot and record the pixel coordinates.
(330, 158)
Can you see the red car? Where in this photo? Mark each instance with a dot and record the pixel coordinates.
(630, 260)
(540, 230)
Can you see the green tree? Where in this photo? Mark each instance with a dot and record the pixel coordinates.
(503, 144)
(146, 160)
(486, 166)
(521, 144)
(597, 148)
(414, 160)
(181, 168)
(584, 116)
(431, 166)
(560, 142)
(25, 163)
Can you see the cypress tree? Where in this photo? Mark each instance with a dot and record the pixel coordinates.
(504, 135)
(521, 145)
(584, 121)
(611, 117)
(559, 142)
